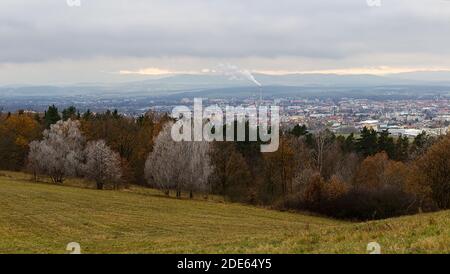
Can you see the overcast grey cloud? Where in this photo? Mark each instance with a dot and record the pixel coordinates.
(258, 34)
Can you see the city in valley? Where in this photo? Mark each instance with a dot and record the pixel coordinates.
(341, 115)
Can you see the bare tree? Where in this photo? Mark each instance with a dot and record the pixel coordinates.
(59, 154)
(322, 144)
(178, 165)
(34, 164)
(102, 164)
(231, 175)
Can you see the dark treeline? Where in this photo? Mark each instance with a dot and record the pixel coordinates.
(369, 176)
(372, 176)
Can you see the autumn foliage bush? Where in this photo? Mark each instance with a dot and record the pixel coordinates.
(378, 191)
(365, 203)
(431, 174)
(16, 132)
(339, 200)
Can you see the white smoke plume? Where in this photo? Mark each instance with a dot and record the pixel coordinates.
(235, 72)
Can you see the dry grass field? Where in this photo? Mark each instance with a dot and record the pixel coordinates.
(43, 218)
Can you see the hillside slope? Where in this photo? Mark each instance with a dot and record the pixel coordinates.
(43, 218)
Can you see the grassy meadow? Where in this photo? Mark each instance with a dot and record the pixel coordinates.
(44, 218)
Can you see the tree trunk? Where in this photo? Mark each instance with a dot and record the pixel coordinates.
(191, 194)
(224, 186)
(99, 185)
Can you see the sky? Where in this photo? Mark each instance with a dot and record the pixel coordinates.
(59, 42)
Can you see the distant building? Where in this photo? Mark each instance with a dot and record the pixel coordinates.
(370, 124)
(409, 132)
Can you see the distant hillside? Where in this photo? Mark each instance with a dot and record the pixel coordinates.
(438, 77)
(187, 83)
(43, 218)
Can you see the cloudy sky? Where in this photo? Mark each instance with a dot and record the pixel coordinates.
(51, 42)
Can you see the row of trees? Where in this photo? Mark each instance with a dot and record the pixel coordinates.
(371, 142)
(338, 176)
(366, 177)
(131, 137)
(317, 171)
(63, 152)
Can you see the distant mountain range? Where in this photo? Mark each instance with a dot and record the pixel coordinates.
(202, 83)
(196, 81)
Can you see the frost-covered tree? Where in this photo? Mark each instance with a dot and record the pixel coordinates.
(34, 164)
(102, 164)
(178, 165)
(60, 152)
(161, 169)
(198, 169)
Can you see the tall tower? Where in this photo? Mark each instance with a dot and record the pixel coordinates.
(260, 95)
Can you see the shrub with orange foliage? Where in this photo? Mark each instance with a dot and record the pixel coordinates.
(16, 131)
(336, 188)
(378, 171)
(314, 192)
(431, 176)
